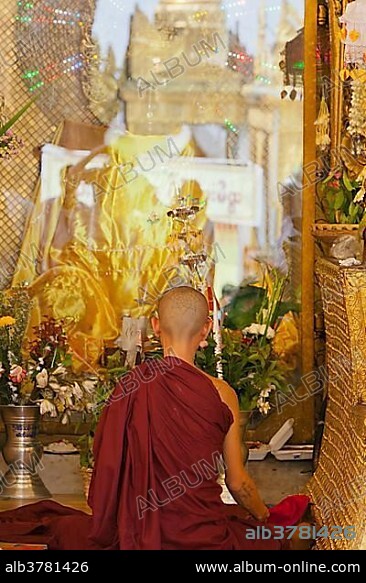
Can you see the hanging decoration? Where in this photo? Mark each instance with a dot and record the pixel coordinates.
(188, 241)
(353, 35)
(357, 121)
(323, 126)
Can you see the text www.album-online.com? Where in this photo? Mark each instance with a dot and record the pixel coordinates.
(299, 567)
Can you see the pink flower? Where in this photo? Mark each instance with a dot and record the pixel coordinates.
(17, 373)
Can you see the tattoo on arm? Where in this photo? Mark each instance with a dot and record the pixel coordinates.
(245, 495)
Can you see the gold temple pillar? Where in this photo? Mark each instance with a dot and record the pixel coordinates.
(338, 487)
(308, 211)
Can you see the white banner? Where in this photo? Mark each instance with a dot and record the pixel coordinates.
(234, 189)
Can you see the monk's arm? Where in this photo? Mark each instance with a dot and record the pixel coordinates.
(240, 484)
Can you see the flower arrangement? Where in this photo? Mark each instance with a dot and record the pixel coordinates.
(10, 144)
(46, 377)
(108, 378)
(340, 199)
(56, 387)
(258, 360)
(14, 315)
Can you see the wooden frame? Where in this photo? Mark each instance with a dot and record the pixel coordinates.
(308, 211)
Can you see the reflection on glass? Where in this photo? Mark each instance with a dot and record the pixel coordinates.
(204, 104)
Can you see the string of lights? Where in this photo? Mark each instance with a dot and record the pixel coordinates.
(46, 14)
(241, 3)
(53, 71)
(241, 57)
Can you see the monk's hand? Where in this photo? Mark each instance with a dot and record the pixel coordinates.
(262, 515)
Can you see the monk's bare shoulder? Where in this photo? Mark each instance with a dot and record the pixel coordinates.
(226, 392)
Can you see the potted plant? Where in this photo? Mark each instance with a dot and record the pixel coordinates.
(341, 201)
(22, 451)
(339, 198)
(56, 387)
(44, 384)
(257, 361)
(108, 377)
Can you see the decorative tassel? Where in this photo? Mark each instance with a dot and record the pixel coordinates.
(323, 126)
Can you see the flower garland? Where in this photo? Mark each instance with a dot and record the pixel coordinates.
(357, 117)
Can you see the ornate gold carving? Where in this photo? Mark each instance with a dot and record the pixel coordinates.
(336, 9)
(337, 488)
(101, 81)
(176, 72)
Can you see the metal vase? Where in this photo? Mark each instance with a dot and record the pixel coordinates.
(23, 453)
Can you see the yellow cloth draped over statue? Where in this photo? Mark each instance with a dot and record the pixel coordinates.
(102, 246)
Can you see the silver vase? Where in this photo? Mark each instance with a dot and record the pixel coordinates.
(22, 452)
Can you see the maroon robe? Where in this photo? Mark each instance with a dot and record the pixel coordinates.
(155, 481)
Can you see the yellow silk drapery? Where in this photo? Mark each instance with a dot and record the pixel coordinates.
(88, 263)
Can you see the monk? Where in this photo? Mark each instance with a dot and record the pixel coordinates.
(155, 482)
(161, 439)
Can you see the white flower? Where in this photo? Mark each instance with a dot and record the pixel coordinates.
(42, 379)
(265, 393)
(65, 395)
(263, 406)
(55, 386)
(89, 385)
(77, 391)
(41, 361)
(360, 195)
(259, 330)
(47, 407)
(90, 407)
(2, 369)
(270, 333)
(60, 370)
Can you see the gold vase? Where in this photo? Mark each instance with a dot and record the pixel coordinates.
(22, 452)
(244, 422)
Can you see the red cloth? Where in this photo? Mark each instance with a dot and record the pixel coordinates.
(154, 484)
(289, 511)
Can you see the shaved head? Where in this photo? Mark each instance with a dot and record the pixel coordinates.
(183, 312)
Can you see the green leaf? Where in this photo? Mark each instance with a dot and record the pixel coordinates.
(339, 200)
(330, 198)
(328, 179)
(347, 183)
(14, 119)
